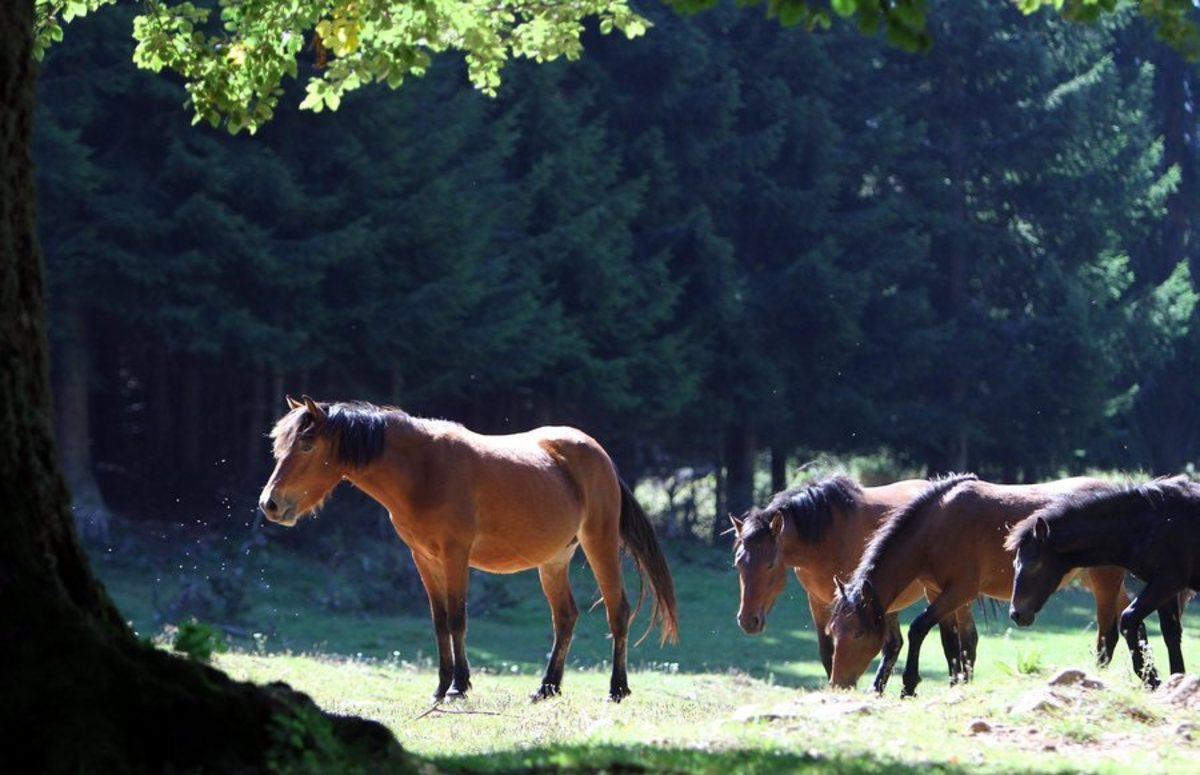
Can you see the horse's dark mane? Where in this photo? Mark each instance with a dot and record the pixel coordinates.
(810, 507)
(357, 430)
(1096, 505)
(899, 520)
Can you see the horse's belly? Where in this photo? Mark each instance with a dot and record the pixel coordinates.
(509, 554)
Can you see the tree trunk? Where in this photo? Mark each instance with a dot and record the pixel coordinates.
(779, 480)
(75, 426)
(1171, 74)
(955, 261)
(257, 421)
(739, 467)
(80, 692)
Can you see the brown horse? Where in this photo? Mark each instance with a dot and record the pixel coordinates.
(819, 531)
(460, 499)
(951, 539)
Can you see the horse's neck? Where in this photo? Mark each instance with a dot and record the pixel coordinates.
(898, 565)
(394, 480)
(836, 553)
(1092, 540)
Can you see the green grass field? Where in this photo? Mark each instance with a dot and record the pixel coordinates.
(718, 701)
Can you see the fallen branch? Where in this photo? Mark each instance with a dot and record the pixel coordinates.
(437, 708)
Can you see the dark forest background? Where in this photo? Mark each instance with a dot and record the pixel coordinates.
(717, 245)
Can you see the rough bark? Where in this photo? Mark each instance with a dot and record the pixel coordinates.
(80, 692)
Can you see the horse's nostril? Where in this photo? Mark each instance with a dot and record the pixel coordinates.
(269, 507)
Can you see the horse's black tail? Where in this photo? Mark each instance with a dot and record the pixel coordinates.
(638, 536)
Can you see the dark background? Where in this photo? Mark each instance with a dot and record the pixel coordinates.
(720, 246)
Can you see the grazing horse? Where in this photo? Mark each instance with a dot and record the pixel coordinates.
(819, 531)
(460, 499)
(1152, 530)
(950, 539)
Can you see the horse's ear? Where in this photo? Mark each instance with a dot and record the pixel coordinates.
(293, 403)
(737, 524)
(841, 588)
(314, 409)
(1041, 529)
(777, 523)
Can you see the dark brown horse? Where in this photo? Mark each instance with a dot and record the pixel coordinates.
(951, 540)
(819, 531)
(463, 500)
(1152, 530)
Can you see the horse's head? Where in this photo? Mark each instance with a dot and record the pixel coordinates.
(761, 571)
(856, 626)
(1038, 571)
(305, 469)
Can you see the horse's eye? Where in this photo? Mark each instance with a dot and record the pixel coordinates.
(858, 635)
(306, 446)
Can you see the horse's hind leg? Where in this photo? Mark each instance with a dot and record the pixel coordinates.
(602, 545)
(563, 611)
(968, 641)
(893, 642)
(951, 648)
(960, 640)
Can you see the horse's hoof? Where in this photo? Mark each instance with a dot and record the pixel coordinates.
(454, 695)
(545, 692)
(618, 695)
(906, 692)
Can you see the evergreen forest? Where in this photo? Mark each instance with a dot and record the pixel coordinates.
(721, 245)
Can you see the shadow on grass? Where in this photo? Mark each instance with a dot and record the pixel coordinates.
(644, 758)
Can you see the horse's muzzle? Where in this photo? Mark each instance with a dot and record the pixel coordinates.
(1022, 618)
(752, 625)
(278, 511)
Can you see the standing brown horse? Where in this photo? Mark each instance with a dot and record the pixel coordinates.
(819, 531)
(461, 500)
(951, 539)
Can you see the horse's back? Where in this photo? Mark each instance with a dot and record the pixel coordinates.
(894, 495)
(529, 493)
(990, 502)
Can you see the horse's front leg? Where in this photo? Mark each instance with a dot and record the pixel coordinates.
(456, 564)
(435, 589)
(820, 617)
(893, 642)
(1157, 594)
(1172, 631)
(945, 604)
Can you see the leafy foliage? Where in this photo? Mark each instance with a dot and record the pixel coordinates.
(234, 58)
(198, 640)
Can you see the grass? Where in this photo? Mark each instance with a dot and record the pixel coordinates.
(717, 702)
